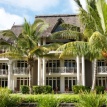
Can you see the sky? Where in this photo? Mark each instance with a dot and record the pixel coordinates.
(14, 11)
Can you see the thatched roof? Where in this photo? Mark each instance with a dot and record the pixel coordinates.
(52, 20)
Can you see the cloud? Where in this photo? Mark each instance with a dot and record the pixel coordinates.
(7, 19)
(34, 5)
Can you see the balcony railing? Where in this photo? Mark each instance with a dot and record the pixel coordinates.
(3, 72)
(61, 70)
(22, 70)
(102, 69)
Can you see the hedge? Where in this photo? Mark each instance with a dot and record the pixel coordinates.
(42, 89)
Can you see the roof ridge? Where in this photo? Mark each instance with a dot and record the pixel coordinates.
(56, 15)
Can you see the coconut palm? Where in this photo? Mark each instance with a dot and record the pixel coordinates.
(92, 41)
(25, 46)
(94, 19)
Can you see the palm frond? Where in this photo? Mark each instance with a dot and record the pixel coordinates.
(9, 33)
(43, 27)
(78, 3)
(69, 27)
(4, 43)
(97, 40)
(53, 46)
(74, 48)
(66, 34)
(102, 11)
(11, 55)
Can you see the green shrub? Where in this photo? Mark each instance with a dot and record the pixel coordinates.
(78, 88)
(4, 96)
(6, 100)
(9, 90)
(47, 101)
(24, 89)
(48, 89)
(42, 89)
(91, 99)
(13, 101)
(99, 89)
(44, 100)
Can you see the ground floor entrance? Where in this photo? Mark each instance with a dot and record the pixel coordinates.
(61, 84)
(102, 81)
(22, 81)
(4, 82)
(69, 82)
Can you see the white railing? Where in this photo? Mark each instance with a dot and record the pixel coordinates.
(61, 70)
(21, 70)
(102, 69)
(3, 72)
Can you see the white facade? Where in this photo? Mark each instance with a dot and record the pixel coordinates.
(60, 74)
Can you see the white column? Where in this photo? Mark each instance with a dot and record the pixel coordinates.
(39, 66)
(44, 66)
(44, 72)
(10, 74)
(62, 84)
(83, 71)
(78, 70)
(14, 83)
(39, 70)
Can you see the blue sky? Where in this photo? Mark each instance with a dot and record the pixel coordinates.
(14, 11)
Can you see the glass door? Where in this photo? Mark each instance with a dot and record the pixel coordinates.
(69, 82)
(54, 82)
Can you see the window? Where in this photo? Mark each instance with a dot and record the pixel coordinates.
(53, 66)
(21, 63)
(101, 63)
(53, 63)
(69, 63)
(3, 66)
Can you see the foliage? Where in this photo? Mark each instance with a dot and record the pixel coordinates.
(42, 89)
(4, 96)
(6, 100)
(24, 89)
(53, 100)
(78, 88)
(25, 45)
(99, 89)
(91, 100)
(47, 101)
(14, 101)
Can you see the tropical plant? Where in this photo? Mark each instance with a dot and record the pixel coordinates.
(91, 100)
(25, 46)
(93, 18)
(90, 43)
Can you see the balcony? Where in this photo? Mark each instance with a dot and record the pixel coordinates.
(22, 70)
(61, 70)
(102, 69)
(3, 72)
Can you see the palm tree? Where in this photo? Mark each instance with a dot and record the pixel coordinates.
(94, 19)
(92, 41)
(25, 46)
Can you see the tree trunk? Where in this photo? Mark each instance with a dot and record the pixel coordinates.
(94, 75)
(30, 79)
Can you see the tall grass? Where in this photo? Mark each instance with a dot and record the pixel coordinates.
(91, 100)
